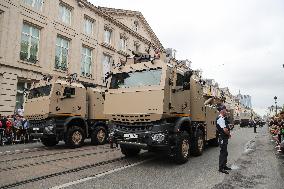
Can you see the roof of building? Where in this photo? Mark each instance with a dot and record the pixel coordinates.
(139, 15)
(108, 17)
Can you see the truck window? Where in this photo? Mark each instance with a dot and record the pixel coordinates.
(180, 80)
(40, 91)
(68, 91)
(136, 79)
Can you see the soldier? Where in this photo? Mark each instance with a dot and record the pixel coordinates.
(254, 126)
(224, 134)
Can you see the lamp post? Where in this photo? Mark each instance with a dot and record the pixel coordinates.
(275, 98)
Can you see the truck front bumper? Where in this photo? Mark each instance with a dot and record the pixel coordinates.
(156, 136)
(41, 128)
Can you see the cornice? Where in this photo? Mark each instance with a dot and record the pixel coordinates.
(118, 23)
(139, 15)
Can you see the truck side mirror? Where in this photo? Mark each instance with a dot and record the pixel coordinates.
(186, 86)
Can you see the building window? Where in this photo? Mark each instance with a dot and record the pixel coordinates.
(20, 95)
(136, 46)
(61, 57)
(88, 26)
(122, 43)
(65, 14)
(29, 43)
(107, 36)
(136, 26)
(37, 4)
(106, 66)
(86, 62)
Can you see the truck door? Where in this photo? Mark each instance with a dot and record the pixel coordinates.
(180, 94)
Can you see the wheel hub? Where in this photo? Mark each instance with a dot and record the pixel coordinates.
(101, 136)
(77, 137)
(200, 143)
(185, 148)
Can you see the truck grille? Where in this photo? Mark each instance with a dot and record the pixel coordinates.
(132, 118)
(36, 117)
(142, 128)
(37, 123)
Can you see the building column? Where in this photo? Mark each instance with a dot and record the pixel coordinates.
(8, 88)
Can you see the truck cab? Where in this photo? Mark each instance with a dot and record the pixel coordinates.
(58, 109)
(150, 105)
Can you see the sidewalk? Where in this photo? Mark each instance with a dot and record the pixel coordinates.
(260, 166)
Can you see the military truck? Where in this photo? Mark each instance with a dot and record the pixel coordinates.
(158, 105)
(245, 118)
(64, 109)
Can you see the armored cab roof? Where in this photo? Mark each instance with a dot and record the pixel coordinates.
(63, 82)
(139, 66)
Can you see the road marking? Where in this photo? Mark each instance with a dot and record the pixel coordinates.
(99, 175)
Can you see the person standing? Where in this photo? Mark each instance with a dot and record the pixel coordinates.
(223, 130)
(254, 126)
(20, 111)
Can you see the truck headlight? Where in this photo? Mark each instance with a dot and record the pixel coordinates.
(158, 137)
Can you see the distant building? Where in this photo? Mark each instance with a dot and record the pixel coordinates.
(245, 100)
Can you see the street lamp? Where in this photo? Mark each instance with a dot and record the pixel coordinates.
(275, 98)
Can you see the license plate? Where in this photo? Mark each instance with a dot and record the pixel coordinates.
(130, 135)
(36, 129)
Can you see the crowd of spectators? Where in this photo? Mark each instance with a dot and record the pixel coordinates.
(276, 127)
(14, 128)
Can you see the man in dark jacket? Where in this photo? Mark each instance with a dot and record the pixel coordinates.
(224, 135)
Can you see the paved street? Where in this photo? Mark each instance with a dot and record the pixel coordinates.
(252, 156)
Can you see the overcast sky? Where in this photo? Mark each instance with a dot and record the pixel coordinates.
(239, 43)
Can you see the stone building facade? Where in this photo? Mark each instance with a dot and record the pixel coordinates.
(64, 36)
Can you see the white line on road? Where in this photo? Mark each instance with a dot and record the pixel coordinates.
(99, 175)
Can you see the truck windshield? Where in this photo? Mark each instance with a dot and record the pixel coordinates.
(136, 79)
(39, 91)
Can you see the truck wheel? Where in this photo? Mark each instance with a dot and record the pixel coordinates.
(99, 136)
(198, 143)
(129, 152)
(182, 150)
(49, 141)
(75, 137)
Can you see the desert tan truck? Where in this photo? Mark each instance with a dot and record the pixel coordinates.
(158, 106)
(59, 109)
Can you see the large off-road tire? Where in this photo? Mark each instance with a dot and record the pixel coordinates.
(99, 136)
(129, 152)
(182, 149)
(198, 143)
(49, 141)
(75, 137)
